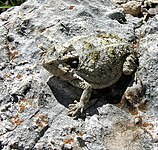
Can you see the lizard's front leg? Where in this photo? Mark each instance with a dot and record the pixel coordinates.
(78, 107)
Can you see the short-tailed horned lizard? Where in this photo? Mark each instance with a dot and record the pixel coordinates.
(91, 62)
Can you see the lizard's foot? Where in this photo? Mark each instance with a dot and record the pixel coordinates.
(75, 109)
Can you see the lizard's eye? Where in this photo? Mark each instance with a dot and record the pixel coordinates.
(72, 62)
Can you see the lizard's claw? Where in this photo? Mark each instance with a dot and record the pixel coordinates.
(76, 108)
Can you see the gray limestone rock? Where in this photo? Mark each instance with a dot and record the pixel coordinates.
(33, 106)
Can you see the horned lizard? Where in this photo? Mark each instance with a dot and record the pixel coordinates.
(91, 62)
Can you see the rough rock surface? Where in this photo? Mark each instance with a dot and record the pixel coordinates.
(33, 107)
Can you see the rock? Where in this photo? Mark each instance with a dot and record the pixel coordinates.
(132, 7)
(120, 1)
(116, 14)
(147, 67)
(33, 106)
(153, 11)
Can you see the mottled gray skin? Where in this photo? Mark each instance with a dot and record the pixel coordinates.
(91, 62)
